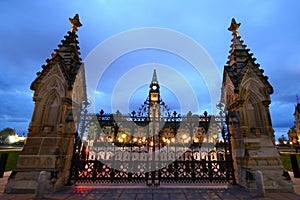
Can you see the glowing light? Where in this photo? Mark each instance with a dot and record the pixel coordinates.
(12, 139)
(22, 138)
(110, 139)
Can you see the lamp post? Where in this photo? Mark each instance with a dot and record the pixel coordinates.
(122, 139)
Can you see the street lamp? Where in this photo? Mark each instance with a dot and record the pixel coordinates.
(122, 138)
(134, 139)
(196, 140)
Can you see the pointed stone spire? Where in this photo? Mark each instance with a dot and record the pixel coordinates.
(239, 57)
(69, 49)
(154, 77)
(67, 53)
(239, 54)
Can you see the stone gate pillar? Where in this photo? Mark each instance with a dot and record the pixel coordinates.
(59, 90)
(246, 94)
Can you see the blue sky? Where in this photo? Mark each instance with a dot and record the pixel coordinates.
(31, 30)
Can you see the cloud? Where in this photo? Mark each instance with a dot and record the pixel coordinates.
(26, 93)
(282, 114)
(8, 118)
(33, 29)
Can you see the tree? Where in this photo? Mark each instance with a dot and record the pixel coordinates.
(282, 140)
(7, 136)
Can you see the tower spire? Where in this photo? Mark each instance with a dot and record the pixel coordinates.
(154, 93)
(239, 57)
(154, 77)
(67, 53)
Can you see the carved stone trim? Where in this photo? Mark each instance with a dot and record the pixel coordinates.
(66, 100)
(266, 103)
(238, 103)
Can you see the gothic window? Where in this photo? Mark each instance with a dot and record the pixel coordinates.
(251, 116)
(52, 111)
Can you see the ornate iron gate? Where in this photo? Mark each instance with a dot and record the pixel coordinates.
(122, 149)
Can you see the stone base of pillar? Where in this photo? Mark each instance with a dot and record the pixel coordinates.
(22, 182)
(261, 154)
(30, 163)
(26, 182)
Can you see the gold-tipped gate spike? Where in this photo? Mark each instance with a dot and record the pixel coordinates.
(234, 27)
(75, 22)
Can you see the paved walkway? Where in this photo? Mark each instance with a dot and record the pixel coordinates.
(221, 192)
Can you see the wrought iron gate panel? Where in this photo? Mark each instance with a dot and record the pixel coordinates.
(183, 170)
(136, 161)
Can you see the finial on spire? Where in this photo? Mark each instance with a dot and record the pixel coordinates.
(75, 23)
(234, 27)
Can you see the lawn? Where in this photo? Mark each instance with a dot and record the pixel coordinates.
(11, 160)
(287, 161)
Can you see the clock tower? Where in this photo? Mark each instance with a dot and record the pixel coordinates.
(154, 98)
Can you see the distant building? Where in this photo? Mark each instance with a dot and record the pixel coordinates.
(294, 132)
(164, 131)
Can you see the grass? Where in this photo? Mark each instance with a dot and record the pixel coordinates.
(286, 161)
(11, 160)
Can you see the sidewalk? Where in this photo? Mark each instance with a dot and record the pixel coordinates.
(144, 193)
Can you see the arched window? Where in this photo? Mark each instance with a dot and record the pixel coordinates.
(52, 111)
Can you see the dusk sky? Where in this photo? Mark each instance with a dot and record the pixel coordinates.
(32, 29)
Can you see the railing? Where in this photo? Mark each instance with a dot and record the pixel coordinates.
(127, 167)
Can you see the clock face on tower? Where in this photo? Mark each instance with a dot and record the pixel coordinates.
(154, 87)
